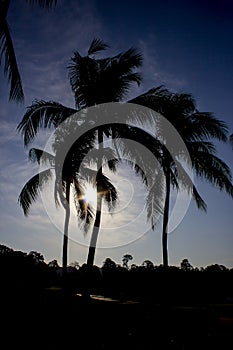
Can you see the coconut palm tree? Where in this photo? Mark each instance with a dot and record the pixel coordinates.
(73, 176)
(197, 130)
(7, 51)
(34, 185)
(93, 81)
(96, 81)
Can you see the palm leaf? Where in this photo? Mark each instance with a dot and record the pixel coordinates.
(96, 46)
(97, 81)
(198, 199)
(154, 199)
(200, 146)
(10, 67)
(107, 190)
(108, 156)
(40, 156)
(31, 189)
(184, 179)
(84, 210)
(155, 99)
(42, 114)
(214, 170)
(205, 125)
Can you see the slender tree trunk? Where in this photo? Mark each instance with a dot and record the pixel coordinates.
(95, 232)
(65, 237)
(96, 228)
(165, 220)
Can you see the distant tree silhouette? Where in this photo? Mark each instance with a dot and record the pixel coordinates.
(75, 264)
(148, 264)
(215, 268)
(5, 250)
(53, 264)
(186, 266)
(125, 259)
(109, 264)
(36, 257)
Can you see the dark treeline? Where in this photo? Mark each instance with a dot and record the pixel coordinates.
(28, 272)
(178, 308)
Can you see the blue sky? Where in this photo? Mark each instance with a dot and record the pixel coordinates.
(187, 46)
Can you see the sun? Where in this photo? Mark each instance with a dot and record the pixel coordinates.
(90, 194)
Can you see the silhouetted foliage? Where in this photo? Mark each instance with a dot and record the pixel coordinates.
(53, 264)
(125, 259)
(148, 264)
(7, 52)
(185, 308)
(184, 285)
(109, 264)
(185, 265)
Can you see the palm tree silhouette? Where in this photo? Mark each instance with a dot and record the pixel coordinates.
(93, 81)
(196, 129)
(34, 185)
(97, 81)
(73, 172)
(7, 51)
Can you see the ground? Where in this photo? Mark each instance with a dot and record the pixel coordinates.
(50, 319)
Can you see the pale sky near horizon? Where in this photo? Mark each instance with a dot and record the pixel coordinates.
(187, 46)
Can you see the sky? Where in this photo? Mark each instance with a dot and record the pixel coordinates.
(187, 46)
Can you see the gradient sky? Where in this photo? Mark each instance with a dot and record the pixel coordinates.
(187, 46)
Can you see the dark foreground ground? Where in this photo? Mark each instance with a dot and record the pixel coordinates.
(51, 320)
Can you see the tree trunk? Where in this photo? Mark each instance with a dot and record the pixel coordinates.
(165, 220)
(96, 228)
(65, 237)
(95, 232)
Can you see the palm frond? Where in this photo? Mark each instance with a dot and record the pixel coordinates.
(31, 189)
(214, 170)
(85, 211)
(107, 190)
(97, 81)
(129, 60)
(88, 175)
(154, 199)
(205, 125)
(200, 146)
(174, 179)
(96, 46)
(42, 114)
(198, 199)
(108, 156)
(10, 64)
(41, 157)
(184, 180)
(155, 99)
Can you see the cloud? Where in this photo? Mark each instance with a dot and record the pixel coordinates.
(8, 132)
(154, 74)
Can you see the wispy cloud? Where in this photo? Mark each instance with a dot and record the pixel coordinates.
(153, 71)
(44, 62)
